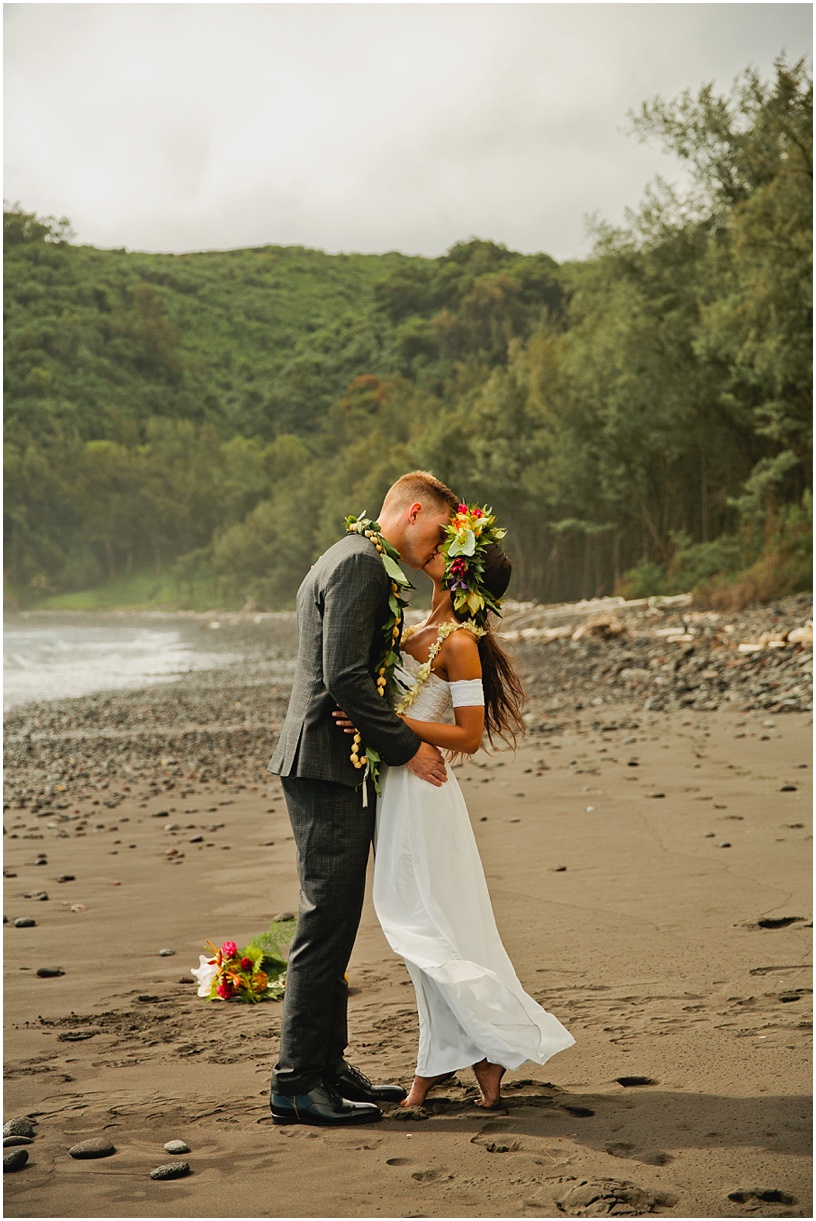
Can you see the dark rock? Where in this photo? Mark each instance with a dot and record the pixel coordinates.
(15, 1160)
(9, 1141)
(36, 894)
(25, 922)
(49, 972)
(97, 1146)
(171, 1170)
(66, 877)
(166, 953)
(19, 1127)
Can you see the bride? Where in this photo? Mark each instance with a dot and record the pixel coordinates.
(430, 893)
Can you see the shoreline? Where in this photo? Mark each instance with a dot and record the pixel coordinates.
(650, 874)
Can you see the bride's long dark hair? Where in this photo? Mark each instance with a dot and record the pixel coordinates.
(503, 691)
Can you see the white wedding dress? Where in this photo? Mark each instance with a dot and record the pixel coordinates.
(432, 901)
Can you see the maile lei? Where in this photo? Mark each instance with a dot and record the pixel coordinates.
(391, 630)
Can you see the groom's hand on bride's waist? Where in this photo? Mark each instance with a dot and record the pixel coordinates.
(342, 721)
(429, 765)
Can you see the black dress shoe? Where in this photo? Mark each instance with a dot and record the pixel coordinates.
(356, 1087)
(321, 1107)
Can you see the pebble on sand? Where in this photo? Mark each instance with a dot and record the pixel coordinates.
(49, 972)
(97, 1146)
(166, 953)
(19, 1127)
(171, 1170)
(176, 1146)
(25, 922)
(15, 1160)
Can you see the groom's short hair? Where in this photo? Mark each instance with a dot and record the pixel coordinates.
(424, 487)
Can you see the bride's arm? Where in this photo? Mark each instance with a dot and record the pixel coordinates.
(465, 737)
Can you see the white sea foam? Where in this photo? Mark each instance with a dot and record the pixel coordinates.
(59, 661)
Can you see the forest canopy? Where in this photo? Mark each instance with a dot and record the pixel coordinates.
(640, 421)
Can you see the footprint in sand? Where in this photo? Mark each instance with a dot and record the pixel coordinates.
(754, 1195)
(436, 1174)
(493, 1128)
(651, 1157)
(609, 1198)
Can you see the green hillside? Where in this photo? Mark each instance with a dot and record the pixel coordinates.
(256, 342)
(191, 429)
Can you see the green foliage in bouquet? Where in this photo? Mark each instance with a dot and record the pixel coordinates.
(255, 973)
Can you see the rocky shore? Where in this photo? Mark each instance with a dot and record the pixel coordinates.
(656, 655)
(665, 655)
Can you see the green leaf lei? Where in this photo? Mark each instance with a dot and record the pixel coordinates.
(391, 630)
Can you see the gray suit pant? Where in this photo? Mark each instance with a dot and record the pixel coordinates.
(333, 835)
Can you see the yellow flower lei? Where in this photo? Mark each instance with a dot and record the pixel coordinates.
(390, 632)
(423, 673)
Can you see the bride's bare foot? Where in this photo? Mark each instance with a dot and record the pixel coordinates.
(419, 1090)
(489, 1078)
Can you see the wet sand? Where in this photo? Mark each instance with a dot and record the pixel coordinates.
(651, 876)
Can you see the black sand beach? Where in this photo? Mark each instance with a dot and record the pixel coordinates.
(648, 851)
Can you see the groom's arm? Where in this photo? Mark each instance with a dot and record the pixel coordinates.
(353, 599)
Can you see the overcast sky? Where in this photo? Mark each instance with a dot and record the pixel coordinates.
(356, 127)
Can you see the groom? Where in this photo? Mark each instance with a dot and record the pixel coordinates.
(342, 606)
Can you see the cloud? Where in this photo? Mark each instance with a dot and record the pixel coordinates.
(355, 127)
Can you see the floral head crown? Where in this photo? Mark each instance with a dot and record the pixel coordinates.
(469, 533)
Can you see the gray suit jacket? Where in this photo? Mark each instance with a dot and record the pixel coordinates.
(342, 605)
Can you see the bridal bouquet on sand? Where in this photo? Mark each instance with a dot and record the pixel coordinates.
(257, 972)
